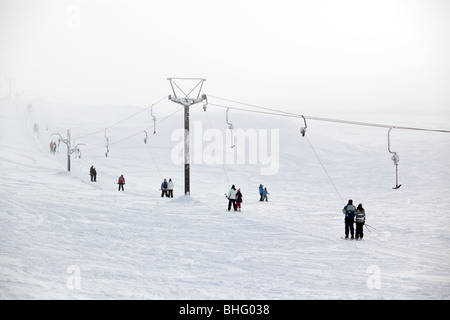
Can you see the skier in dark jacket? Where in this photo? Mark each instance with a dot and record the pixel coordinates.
(360, 218)
(238, 199)
(93, 174)
(349, 211)
(164, 188)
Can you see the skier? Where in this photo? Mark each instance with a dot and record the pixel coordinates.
(93, 174)
(265, 193)
(170, 188)
(238, 199)
(261, 192)
(360, 217)
(121, 182)
(232, 198)
(164, 188)
(349, 211)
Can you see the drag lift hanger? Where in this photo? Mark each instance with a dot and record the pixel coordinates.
(394, 158)
(107, 145)
(230, 126)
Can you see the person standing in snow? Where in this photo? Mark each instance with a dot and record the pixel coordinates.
(261, 192)
(349, 211)
(360, 218)
(238, 199)
(121, 182)
(232, 198)
(164, 188)
(265, 193)
(93, 174)
(170, 188)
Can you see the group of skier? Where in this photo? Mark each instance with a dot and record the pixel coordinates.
(93, 174)
(53, 147)
(167, 188)
(263, 193)
(354, 215)
(235, 197)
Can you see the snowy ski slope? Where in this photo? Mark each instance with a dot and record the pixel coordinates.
(65, 237)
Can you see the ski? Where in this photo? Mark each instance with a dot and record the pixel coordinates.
(351, 239)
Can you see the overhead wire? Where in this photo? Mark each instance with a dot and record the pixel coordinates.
(277, 112)
(223, 164)
(122, 120)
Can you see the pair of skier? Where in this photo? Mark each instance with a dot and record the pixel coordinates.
(354, 214)
(263, 193)
(167, 188)
(93, 174)
(234, 198)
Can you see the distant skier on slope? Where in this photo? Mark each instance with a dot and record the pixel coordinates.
(349, 211)
(360, 217)
(238, 199)
(261, 192)
(121, 182)
(170, 188)
(232, 198)
(93, 174)
(164, 188)
(265, 193)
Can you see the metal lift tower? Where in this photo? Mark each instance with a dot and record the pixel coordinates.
(181, 97)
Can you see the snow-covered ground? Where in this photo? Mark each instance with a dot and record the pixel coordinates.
(65, 237)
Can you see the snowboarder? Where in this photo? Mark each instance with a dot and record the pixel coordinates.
(121, 182)
(265, 193)
(261, 192)
(164, 188)
(170, 188)
(349, 211)
(360, 217)
(232, 198)
(93, 174)
(238, 199)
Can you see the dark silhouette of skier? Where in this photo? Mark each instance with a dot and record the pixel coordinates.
(349, 211)
(93, 174)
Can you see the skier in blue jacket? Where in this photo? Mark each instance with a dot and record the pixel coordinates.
(261, 192)
(265, 193)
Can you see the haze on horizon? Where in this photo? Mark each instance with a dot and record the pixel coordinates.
(375, 56)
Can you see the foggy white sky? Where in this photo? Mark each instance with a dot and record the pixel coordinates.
(305, 54)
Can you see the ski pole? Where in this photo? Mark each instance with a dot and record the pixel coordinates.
(369, 226)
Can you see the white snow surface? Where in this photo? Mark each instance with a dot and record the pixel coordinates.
(65, 237)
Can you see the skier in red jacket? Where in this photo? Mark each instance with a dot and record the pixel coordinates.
(121, 182)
